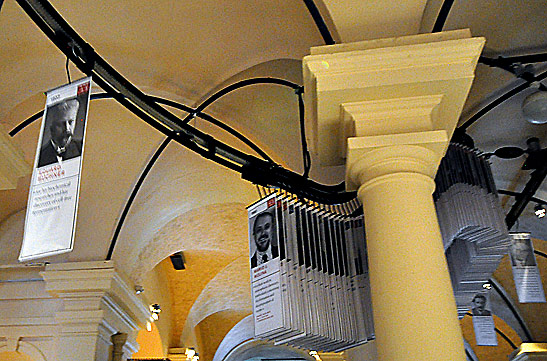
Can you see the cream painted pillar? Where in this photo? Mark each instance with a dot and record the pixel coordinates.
(96, 305)
(389, 107)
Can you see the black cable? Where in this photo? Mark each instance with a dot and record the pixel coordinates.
(513, 310)
(306, 158)
(500, 100)
(319, 22)
(133, 194)
(505, 338)
(469, 357)
(508, 62)
(536, 179)
(67, 70)
(443, 15)
(238, 85)
(170, 103)
(539, 253)
(105, 76)
(215, 122)
(516, 194)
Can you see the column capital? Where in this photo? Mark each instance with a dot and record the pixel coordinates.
(88, 285)
(376, 156)
(387, 86)
(97, 303)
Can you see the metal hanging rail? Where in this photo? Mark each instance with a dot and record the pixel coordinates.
(251, 168)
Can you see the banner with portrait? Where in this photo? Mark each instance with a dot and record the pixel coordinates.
(53, 197)
(483, 321)
(525, 269)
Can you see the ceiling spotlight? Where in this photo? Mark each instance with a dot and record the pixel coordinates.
(315, 355)
(540, 210)
(189, 352)
(139, 289)
(534, 107)
(155, 308)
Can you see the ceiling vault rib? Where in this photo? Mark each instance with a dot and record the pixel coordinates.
(443, 15)
(133, 194)
(319, 22)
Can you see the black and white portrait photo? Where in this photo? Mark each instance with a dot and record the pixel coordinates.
(62, 138)
(263, 232)
(479, 305)
(522, 254)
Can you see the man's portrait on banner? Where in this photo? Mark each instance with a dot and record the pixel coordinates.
(522, 254)
(59, 141)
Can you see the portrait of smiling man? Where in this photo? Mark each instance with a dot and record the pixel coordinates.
(61, 122)
(264, 236)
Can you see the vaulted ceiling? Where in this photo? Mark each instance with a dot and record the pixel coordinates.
(185, 51)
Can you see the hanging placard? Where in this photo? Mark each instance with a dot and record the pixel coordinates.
(483, 322)
(53, 197)
(525, 270)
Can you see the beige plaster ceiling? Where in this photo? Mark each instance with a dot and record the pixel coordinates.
(184, 51)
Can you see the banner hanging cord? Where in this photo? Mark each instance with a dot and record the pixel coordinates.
(306, 158)
(68, 70)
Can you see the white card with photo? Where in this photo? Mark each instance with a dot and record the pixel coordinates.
(265, 267)
(525, 270)
(483, 322)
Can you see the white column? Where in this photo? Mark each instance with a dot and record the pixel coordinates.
(389, 107)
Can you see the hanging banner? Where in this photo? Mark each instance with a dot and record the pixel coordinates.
(265, 268)
(483, 322)
(53, 197)
(525, 270)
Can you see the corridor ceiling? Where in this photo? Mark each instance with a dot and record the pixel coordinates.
(185, 51)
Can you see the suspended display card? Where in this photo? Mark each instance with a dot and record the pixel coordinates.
(265, 268)
(309, 275)
(525, 270)
(483, 322)
(53, 197)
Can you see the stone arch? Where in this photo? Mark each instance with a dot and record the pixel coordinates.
(24, 351)
(32, 350)
(195, 230)
(229, 290)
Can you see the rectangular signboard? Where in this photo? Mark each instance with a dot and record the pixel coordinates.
(53, 197)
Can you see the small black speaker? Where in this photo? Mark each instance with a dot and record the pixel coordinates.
(177, 259)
